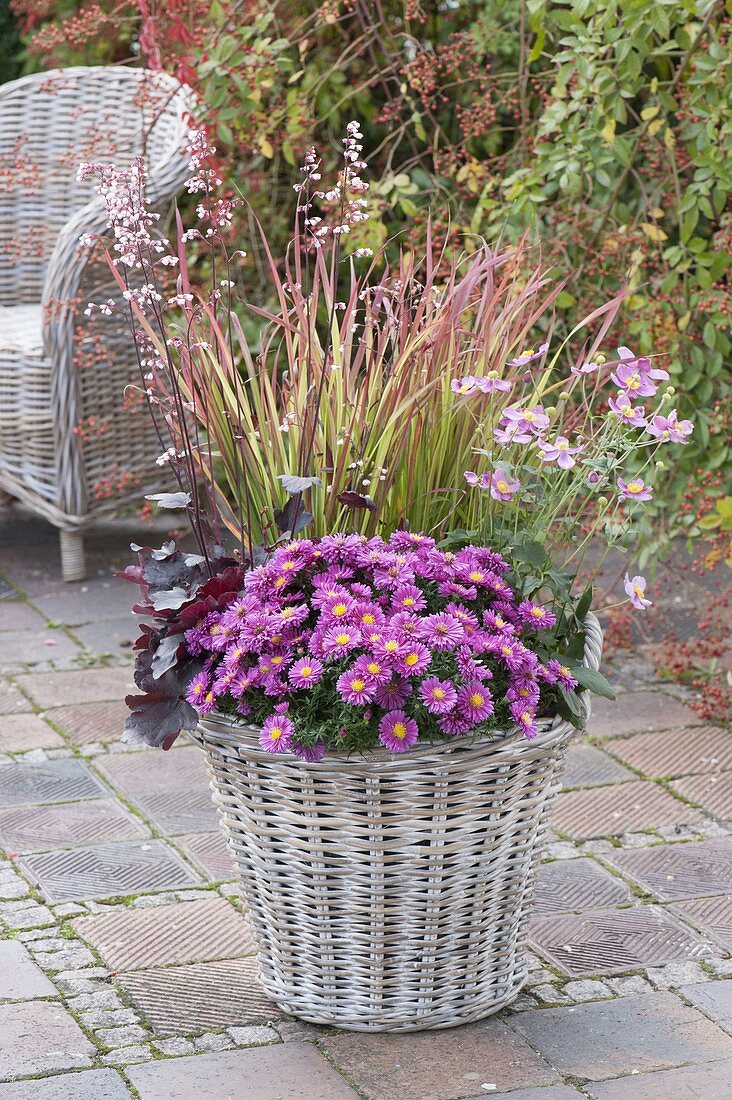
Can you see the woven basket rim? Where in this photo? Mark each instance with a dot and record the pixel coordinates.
(552, 731)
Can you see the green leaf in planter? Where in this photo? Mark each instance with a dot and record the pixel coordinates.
(530, 552)
(583, 604)
(593, 681)
(570, 708)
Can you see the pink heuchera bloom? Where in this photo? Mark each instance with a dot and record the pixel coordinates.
(397, 732)
(503, 486)
(559, 451)
(635, 489)
(636, 590)
(669, 428)
(622, 407)
(528, 356)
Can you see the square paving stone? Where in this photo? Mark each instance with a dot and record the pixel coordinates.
(91, 1084)
(12, 701)
(638, 712)
(36, 648)
(108, 870)
(72, 824)
(287, 1071)
(90, 722)
(568, 885)
(590, 767)
(609, 941)
(210, 852)
(623, 808)
(712, 792)
(23, 732)
(39, 1036)
(153, 770)
(609, 1038)
(712, 915)
(187, 932)
(675, 752)
(710, 1082)
(92, 685)
(674, 871)
(51, 781)
(20, 978)
(15, 615)
(713, 998)
(182, 1000)
(180, 811)
(437, 1064)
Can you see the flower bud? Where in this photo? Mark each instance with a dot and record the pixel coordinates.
(600, 358)
(660, 465)
(670, 390)
(551, 410)
(602, 501)
(564, 396)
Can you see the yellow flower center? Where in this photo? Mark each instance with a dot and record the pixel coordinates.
(358, 685)
(476, 699)
(633, 383)
(277, 660)
(343, 639)
(209, 697)
(215, 629)
(289, 565)
(438, 693)
(503, 486)
(635, 486)
(374, 668)
(391, 646)
(399, 730)
(537, 612)
(506, 650)
(368, 619)
(280, 582)
(531, 417)
(275, 733)
(306, 671)
(638, 590)
(287, 612)
(477, 576)
(411, 659)
(339, 610)
(564, 670)
(408, 601)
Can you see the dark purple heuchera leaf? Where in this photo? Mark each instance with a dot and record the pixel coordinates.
(356, 500)
(178, 590)
(292, 518)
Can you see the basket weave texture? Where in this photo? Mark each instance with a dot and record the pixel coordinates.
(389, 893)
(58, 368)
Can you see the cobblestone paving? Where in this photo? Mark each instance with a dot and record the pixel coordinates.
(126, 965)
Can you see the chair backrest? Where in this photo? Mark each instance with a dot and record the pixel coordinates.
(49, 123)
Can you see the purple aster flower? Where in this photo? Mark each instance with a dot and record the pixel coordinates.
(393, 694)
(305, 672)
(397, 732)
(340, 640)
(559, 451)
(669, 428)
(635, 489)
(524, 691)
(493, 382)
(503, 486)
(475, 702)
(408, 598)
(405, 626)
(354, 688)
(636, 590)
(442, 631)
(554, 672)
(313, 754)
(439, 696)
(368, 615)
(528, 356)
(525, 719)
(494, 620)
(454, 724)
(389, 649)
(276, 733)
(374, 670)
(465, 617)
(532, 614)
(463, 386)
(243, 681)
(198, 689)
(337, 609)
(415, 659)
(622, 407)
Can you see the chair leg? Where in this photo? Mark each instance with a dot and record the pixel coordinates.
(73, 566)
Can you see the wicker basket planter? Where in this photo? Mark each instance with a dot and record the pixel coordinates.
(389, 893)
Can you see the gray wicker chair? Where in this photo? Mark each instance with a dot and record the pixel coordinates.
(69, 449)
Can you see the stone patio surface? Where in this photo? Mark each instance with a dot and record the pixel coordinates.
(126, 959)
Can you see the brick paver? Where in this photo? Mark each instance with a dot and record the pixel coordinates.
(186, 932)
(639, 711)
(290, 1072)
(452, 1063)
(621, 808)
(672, 753)
(38, 1036)
(610, 1038)
(126, 956)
